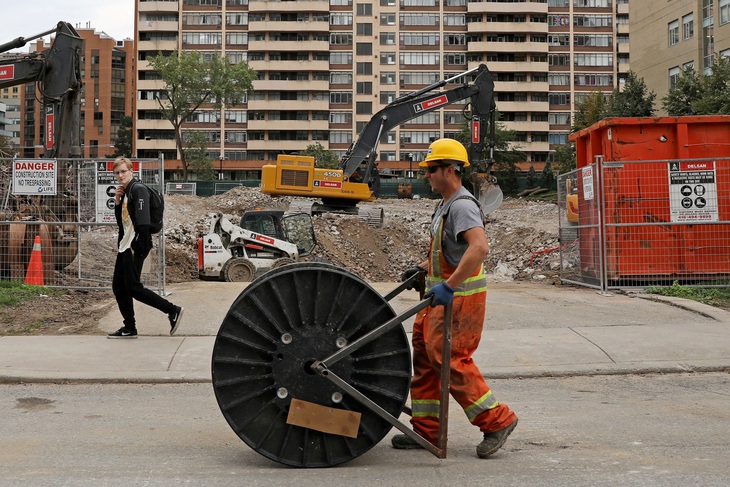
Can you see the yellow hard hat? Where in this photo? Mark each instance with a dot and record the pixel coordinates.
(446, 151)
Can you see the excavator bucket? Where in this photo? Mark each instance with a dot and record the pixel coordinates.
(487, 192)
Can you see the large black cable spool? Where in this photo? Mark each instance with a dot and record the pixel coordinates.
(275, 329)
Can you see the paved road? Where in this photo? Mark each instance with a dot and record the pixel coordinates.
(650, 430)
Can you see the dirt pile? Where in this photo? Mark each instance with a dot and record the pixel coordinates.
(523, 236)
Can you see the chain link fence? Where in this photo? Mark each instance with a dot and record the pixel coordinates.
(644, 223)
(67, 206)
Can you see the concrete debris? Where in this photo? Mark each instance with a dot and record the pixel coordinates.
(523, 236)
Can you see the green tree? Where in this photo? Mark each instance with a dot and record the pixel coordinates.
(123, 143)
(715, 99)
(681, 98)
(592, 110)
(531, 180)
(547, 178)
(190, 82)
(631, 100)
(323, 158)
(196, 153)
(564, 158)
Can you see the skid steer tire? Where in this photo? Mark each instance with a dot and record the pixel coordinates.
(238, 269)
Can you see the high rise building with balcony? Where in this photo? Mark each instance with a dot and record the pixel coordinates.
(326, 66)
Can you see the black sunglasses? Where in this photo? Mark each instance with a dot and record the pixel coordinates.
(433, 169)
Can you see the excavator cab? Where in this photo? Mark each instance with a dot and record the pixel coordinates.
(296, 228)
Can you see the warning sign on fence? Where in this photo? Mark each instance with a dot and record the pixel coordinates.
(693, 191)
(106, 188)
(34, 176)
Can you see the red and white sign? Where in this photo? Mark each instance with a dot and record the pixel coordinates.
(327, 184)
(475, 130)
(7, 72)
(264, 239)
(34, 176)
(432, 103)
(50, 128)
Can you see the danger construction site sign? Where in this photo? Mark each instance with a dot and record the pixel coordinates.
(35, 176)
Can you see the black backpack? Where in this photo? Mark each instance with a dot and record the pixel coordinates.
(157, 208)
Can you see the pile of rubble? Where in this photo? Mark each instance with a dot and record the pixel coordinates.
(523, 236)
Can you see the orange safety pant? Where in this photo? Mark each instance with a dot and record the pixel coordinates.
(468, 387)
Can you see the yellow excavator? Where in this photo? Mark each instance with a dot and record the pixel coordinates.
(357, 178)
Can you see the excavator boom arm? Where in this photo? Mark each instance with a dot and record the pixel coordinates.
(480, 93)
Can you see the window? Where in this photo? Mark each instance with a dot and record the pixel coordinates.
(340, 136)
(364, 88)
(341, 58)
(364, 9)
(673, 77)
(387, 97)
(341, 78)
(341, 18)
(341, 117)
(364, 107)
(688, 26)
(387, 38)
(363, 48)
(559, 118)
(724, 11)
(364, 68)
(673, 32)
(387, 19)
(341, 39)
(387, 58)
(555, 79)
(341, 97)
(387, 77)
(365, 29)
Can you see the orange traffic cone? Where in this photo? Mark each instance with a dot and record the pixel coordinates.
(34, 275)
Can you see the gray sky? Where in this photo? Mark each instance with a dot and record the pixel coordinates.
(25, 18)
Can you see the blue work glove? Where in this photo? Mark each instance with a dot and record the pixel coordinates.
(407, 274)
(442, 294)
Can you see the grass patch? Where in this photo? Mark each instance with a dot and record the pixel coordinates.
(713, 296)
(13, 293)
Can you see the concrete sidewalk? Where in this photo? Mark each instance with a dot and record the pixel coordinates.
(531, 330)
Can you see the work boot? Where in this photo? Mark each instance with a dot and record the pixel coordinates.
(494, 440)
(124, 332)
(175, 317)
(405, 442)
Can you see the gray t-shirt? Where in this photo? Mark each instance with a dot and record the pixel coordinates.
(464, 214)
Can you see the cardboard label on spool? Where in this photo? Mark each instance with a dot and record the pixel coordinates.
(323, 418)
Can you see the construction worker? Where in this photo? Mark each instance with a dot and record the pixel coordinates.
(454, 273)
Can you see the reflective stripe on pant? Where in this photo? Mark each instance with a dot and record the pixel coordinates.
(468, 386)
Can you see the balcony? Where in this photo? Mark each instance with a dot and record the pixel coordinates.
(508, 47)
(153, 124)
(521, 86)
(287, 46)
(302, 26)
(515, 66)
(147, 105)
(298, 6)
(290, 85)
(507, 27)
(278, 145)
(150, 84)
(155, 144)
(622, 28)
(288, 124)
(158, 26)
(288, 105)
(301, 66)
(523, 106)
(526, 126)
(622, 47)
(155, 46)
(508, 7)
(158, 6)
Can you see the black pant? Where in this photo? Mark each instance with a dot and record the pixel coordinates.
(127, 286)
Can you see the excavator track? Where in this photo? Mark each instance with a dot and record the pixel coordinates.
(374, 216)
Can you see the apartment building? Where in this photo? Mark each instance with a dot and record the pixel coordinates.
(676, 34)
(325, 67)
(107, 70)
(10, 115)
